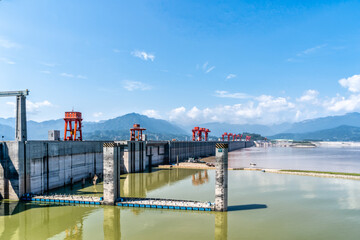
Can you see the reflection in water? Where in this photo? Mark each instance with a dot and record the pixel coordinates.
(41, 221)
(74, 232)
(139, 184)
(221, 225)
(200, 179)
(335, 207)
(111, 225)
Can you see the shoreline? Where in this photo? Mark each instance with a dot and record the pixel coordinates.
(352, 176)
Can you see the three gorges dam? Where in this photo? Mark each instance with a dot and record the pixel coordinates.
(36, 167)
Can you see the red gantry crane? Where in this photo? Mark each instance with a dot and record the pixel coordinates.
(197, 134)
(73, 126)
(223, 136)
(136, 133)
(206, 132)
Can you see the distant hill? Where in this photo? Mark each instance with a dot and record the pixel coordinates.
(116, 128)
(316, 124)
(125, 122)
(8, 133)
(217, 129)
(341, 133)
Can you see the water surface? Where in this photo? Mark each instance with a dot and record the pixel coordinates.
(261, 205)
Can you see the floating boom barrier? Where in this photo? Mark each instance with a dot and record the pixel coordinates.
(152, 203)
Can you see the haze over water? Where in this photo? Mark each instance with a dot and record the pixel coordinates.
(335, 159)
(261, 205)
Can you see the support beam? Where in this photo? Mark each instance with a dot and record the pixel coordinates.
(21, 129)
(221, 175)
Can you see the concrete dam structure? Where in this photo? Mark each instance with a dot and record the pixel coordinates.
(39, 166)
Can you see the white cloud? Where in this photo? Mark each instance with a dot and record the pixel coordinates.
(69, 75)
(301, 55)
(349, 104)
(351, 83)
(230, 76)
(48, 64)
(274, 104)
(4, 43)
(81, 77)
(116, 50)
(135, 85)
(45, 72)
(97, 114)
(194, 113)
(226, 94)
(151, 113)
(210, 69)
(33, 107)
(177, 113)
(265, 110)
(7, 61)
(206, 68)
(309, 95)
(311, 50)
(143, 55)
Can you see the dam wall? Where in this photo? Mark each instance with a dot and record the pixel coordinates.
(39, 166)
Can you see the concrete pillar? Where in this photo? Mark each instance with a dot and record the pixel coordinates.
(20, 131)
(111, 170)
(221, 175)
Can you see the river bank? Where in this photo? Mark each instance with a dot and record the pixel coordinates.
(203, 166)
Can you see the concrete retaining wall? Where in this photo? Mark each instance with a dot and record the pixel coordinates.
(38, 166)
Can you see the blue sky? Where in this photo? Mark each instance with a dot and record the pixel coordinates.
(184, 61)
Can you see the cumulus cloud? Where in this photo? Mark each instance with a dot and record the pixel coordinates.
(177, 113)
(351, 83)
(344, 104)
(309, 95)
(143, 55)
(33, 107)
(226, 94)
(230, 76)
(264, 109)
(135, 85)
(151, 113)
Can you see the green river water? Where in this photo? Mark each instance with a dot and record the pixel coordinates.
(261, 206)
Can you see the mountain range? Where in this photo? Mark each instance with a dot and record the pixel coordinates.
(341, 128)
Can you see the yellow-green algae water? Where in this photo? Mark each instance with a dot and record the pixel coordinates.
(261, 206)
